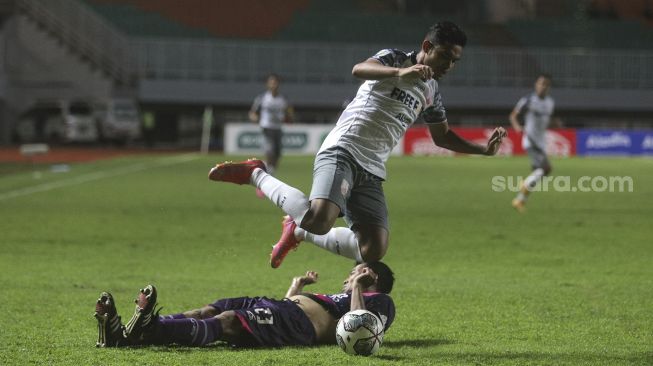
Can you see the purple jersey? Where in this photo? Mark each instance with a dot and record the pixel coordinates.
(338, 304)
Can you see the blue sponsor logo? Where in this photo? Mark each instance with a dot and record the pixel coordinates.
(643, 141)
(614, 142)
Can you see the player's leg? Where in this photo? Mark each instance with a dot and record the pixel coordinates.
(188, 331)
(361, 195)
(233, 331)
(367, 215)
(220, 306)
(291, 200)
(362, 243)
(110, 328)
(272, 148)
(146, 327)
(333, 180)
(372, 241)
(540, 168)
(266, 323)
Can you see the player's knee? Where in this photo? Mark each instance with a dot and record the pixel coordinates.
(232, 328)
(203, 313)
(372, 251)
(195, 314)
(318, 221)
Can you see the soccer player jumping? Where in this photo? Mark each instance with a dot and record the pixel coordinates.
(349, 168)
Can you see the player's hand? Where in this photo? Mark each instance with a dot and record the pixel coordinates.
(308, 279)
(416, 72)
(495, 140)
(365, 279)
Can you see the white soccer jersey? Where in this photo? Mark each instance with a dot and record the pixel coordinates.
(537, 114)
(374, 122)
(271, 109)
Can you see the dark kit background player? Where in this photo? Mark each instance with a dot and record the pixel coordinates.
(300, 319)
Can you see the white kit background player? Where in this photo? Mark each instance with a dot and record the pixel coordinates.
(349, 168)
(271, 110)
(536, 111)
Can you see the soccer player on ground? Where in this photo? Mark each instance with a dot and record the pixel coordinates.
(350, 166)
(536, 110)
(300, 319)
(271, 110)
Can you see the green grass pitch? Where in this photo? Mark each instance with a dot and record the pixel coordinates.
(568, 283)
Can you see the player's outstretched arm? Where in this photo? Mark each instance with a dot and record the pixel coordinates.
(372, 69)
(514, 119)
(298, 283)
(444, 137)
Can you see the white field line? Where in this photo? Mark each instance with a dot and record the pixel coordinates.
(96, 176)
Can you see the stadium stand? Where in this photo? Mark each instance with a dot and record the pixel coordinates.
(590, 33)
(140, 23)
(297, 20)
(192, 53)
(639, 10)
(244, 19)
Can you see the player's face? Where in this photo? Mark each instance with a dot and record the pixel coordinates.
(273, 84)
(542, 86)
(346, 284)
(441, 58)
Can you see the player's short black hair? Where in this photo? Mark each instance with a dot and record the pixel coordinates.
(446, 33)
(544, 75)
(386, 278)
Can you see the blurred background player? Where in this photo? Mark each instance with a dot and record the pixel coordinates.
(536, 111)
(271, 110)
(300, 319)
(349, 168)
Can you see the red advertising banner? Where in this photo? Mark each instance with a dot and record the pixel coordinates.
(559, 142)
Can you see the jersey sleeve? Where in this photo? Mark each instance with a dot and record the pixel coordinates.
(435, 113)
(256, 106)
(383, 306)
(521, 103)
(390, 57)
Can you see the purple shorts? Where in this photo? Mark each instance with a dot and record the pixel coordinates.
(271, 323)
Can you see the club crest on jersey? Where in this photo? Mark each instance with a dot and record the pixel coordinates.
(405, 97)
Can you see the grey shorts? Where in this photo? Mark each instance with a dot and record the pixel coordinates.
(272, 141)
(359, 194)
(538, 158)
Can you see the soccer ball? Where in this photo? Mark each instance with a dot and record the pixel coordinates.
(359, 332)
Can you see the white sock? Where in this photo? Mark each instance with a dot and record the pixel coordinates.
(339, 240)
(291, 200)
(522, 196)
(532, 180)
(530, 183)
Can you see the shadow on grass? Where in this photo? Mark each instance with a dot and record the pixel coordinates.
(638, 358)
(416, 343)
(410, 343)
